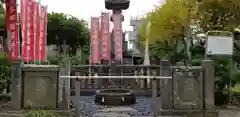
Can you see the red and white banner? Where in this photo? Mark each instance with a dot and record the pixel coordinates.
(95, 41)
(43, 33)
(12, 29)
(105, 37)
(118, 38)
(36, 31)
(28, 41)
(23, 20)
(30, 30)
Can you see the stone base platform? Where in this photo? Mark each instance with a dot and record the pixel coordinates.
(115, 97)
(189, 113)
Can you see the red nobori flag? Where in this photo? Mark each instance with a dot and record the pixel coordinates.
(28, 41)
(95, 40)
(117, 32)
(43, 32)
(105, 37)
(23, 20)
(31, 30)
(36, 31)
(12, 29)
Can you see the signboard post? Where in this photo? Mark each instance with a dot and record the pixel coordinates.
(220, 43)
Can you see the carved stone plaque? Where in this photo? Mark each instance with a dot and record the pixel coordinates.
(188, 89)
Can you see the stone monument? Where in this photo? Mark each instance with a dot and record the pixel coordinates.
(116, 96)
(40, 86)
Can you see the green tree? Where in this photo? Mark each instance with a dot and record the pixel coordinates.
(5, 71)
(205, 15)
(168, 29)
(74, 32)
(2, 17)
(54, 26)
(219, 14)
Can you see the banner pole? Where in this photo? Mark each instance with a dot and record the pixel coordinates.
(46, 47)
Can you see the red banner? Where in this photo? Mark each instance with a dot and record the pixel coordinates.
(105, 37)
(118, 39)
(31, 30)
(95, 41)
(36, 31)
(12, 29)
(43, 33)
(28, 42)
(23, 16)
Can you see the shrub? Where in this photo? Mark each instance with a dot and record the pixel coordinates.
(5, 71)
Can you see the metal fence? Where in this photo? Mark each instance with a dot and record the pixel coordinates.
(133, 77)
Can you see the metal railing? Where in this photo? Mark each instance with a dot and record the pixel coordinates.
(117, 77)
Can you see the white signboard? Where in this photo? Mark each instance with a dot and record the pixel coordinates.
(219, 45)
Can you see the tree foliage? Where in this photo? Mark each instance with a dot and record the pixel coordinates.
(2, 17)
(168, 22)
(5, 71)
(62, 27)
(170, 25)
(219, 14)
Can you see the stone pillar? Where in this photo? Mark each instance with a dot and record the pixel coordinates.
(208, 67)
(154, 96)
(77, 97)
(16, 85)
(104, 72)
(64, 85)
(166, 86)
(40, 86)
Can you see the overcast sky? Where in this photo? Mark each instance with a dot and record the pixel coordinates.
(87, 8)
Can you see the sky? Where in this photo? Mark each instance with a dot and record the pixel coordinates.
(86, 8)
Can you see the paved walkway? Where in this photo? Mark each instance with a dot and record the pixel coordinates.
(229, 113)
(223, 113)
(141, 109)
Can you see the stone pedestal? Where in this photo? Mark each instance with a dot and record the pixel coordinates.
(40, 86)
(64, 85)
(16, 85)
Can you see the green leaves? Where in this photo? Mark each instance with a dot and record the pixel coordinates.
(2, 17)
(168, 21)
(219, 14)
(64, 27)
(5, 71)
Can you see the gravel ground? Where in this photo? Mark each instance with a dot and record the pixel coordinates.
(142, 108)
